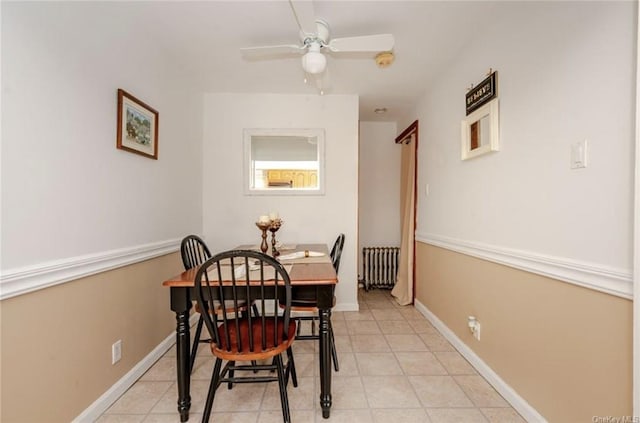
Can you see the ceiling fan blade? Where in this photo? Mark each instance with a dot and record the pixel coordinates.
(256, 52)
(305, 15)
(374, 43)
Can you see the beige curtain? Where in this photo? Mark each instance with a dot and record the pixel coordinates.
(403, 289)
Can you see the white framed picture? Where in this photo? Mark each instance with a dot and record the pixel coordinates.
(481, 131)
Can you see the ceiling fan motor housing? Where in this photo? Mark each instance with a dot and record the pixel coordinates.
(323, 31)
(321, 36)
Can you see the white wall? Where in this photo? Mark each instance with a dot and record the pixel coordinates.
(379, 187)
(66, 190)
(566, 73)
(229, 215)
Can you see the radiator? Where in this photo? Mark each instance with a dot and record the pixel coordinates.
(380, 267)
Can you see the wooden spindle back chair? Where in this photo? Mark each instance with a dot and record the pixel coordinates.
(301, 304)
(240, 277)
(194, 252)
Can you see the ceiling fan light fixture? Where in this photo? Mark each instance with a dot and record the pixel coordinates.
(314, 62)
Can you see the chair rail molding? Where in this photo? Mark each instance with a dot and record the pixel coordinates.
(613, 281)
(14, 282)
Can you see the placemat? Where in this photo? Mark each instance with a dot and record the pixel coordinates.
(299, 257)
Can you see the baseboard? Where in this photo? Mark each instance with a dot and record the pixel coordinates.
(517, 402)
(102, 404)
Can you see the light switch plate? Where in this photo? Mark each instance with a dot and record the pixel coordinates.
(579, 155)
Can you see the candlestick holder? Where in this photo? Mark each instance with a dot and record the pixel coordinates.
(264, 246)
(273, 228)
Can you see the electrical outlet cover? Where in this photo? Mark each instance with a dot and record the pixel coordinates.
(116, 352)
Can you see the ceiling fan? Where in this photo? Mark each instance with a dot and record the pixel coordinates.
(315, 41)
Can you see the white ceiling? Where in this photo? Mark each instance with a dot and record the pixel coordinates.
(205, 39)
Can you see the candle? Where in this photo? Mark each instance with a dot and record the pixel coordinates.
(274, 216)
(264, 219)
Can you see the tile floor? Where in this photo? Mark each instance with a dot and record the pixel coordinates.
(394, 367)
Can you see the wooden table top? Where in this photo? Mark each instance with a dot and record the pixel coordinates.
(300, 274)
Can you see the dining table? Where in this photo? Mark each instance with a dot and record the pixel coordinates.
(311, 276)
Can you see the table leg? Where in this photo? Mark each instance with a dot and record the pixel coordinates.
(180, 304)
(325, 362)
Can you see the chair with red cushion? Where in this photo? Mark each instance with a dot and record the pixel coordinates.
(247, 277)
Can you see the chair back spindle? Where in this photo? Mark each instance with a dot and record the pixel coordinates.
(336, 252)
